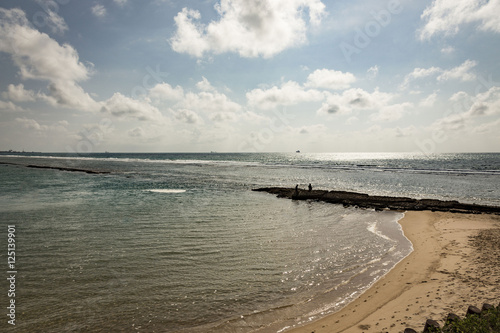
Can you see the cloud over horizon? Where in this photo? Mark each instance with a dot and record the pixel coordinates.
(241, 76)
(251, 29)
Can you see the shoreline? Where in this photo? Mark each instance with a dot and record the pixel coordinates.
(444, 274)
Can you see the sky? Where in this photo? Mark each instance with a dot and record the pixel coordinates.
(250, 76)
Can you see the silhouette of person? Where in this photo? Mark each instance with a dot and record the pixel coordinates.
(310, 187)
(297, 190)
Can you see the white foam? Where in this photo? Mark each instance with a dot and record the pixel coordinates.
(374, 229)
(165, 190)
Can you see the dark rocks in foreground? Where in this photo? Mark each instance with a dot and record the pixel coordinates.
(380, 202)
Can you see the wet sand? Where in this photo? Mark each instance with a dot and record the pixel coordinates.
(455, 263)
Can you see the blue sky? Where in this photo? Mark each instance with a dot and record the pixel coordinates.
(244, 76)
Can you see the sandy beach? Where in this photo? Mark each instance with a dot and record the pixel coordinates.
(455, 263)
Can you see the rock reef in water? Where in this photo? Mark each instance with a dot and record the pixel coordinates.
(380, 202)
(57, 168)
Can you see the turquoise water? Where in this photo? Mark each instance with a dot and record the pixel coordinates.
(179, 242)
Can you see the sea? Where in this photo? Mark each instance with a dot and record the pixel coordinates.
(180, 243)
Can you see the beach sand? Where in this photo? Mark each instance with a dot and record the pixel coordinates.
(455, 263)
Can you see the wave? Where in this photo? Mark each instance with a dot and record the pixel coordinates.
(271, 161)
(165, 190)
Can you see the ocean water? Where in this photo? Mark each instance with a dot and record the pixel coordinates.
(180, 243)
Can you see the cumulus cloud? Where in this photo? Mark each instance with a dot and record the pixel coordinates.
(354, 99)
(125, 107)
(205, 85)
(462, 72)
(419, 73)
(447, 16)
(249, 28)
(188, 116)
(35, 126)
(209, 102)
(164, 91)
(189, 107)
(330, 79)
(31, 124)
(57, 64)
(482, 105)
(9, 107)
(288, 94)
(428, 101)
(18, 93)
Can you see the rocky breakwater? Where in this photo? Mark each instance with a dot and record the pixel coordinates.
(380, 202)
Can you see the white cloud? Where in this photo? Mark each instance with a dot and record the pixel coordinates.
(57, 64)
(428, 101)
(482, 105)
(249, 28)
(330, 79)
(205, 85)
(24, 43)
(354, 99)
(447, 50)
(125, 107)
(18, 94)
(221, 117)
(31, 124)
(189, 106)
(164, 91)
(9, 107)
(188, 116)
(99, 11)
(446, 16)
(372, 72)
(491, 127)
(189, 35)
(289, 93)
(208, 102)
(461, 72)
(419, 73)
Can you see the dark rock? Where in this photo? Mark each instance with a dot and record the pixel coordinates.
(472, 310)
(430, 325)
(409, 330)
(452, 318)
(362, 200)
(487, 307)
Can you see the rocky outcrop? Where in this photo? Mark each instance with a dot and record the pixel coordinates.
(380, 202)
(58, 168)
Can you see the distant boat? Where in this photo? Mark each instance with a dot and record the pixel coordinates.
(298, 151)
